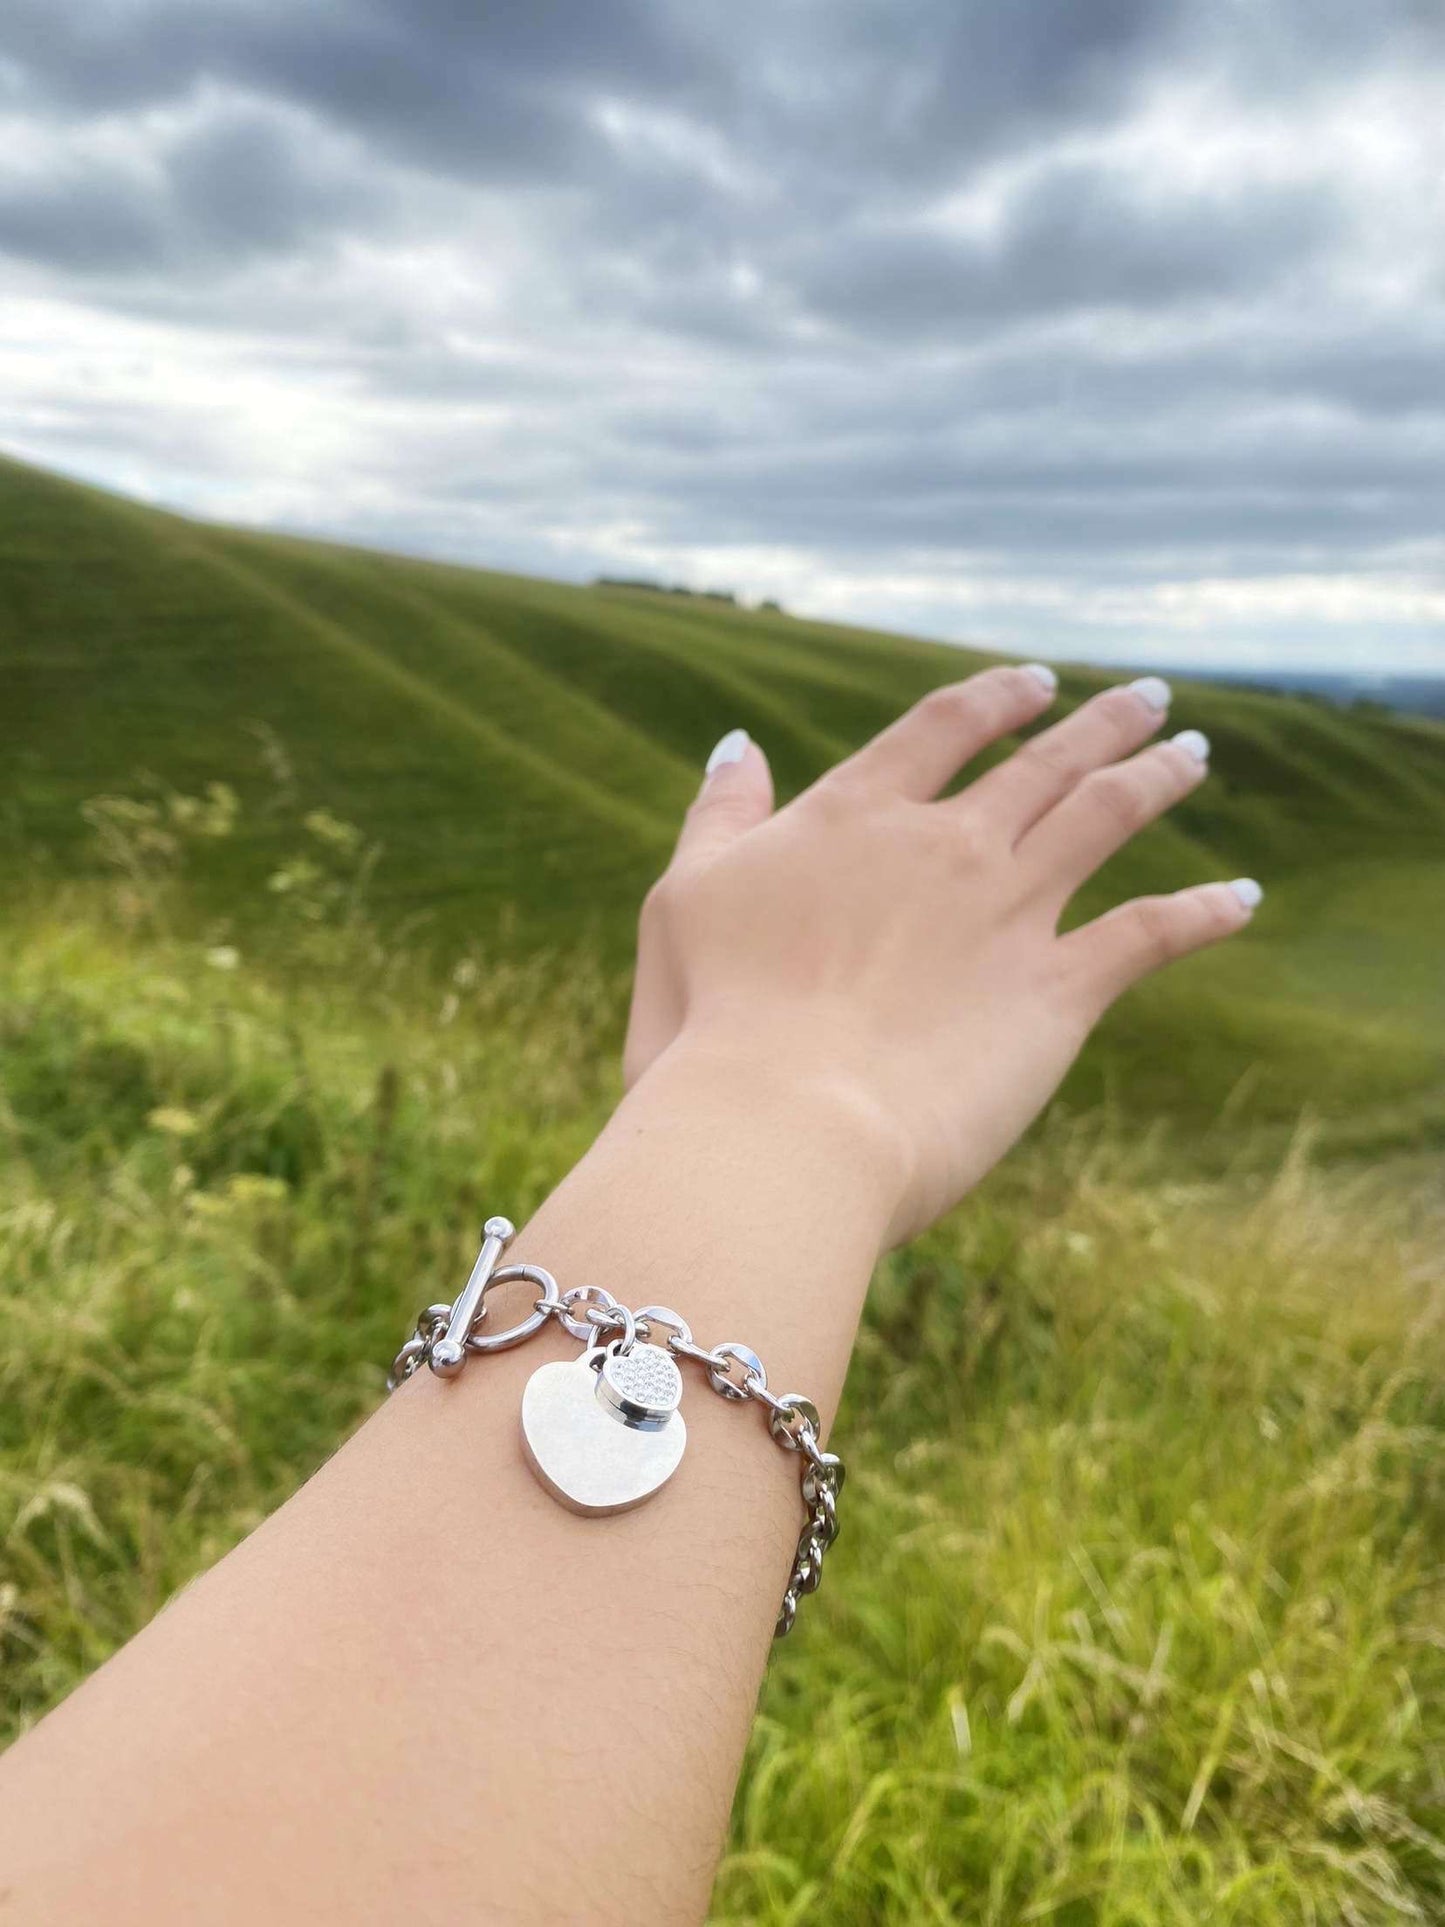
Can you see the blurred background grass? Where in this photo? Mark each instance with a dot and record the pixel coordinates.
(321, 870)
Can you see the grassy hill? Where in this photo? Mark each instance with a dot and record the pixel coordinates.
(521, 752)
(1135, 1617)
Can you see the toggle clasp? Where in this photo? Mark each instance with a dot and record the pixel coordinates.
(449, 1353)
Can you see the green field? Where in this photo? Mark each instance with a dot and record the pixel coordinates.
(521, 752)
(1137, 1615)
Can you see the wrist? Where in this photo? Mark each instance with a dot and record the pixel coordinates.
(761, 1094)
(749, 1185)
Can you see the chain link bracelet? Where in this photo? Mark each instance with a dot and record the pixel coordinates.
(603, 1432)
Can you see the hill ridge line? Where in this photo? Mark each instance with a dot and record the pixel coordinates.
(337, 636)
(478, 636)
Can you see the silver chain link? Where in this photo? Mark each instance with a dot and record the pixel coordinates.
(734, 1372)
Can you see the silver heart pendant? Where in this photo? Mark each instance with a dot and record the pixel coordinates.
(604, 1442)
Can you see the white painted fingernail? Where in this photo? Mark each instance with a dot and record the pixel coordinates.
(1041, 672)
(1154, 691)
(1194, 743)
(732, 749)
(1248, 892)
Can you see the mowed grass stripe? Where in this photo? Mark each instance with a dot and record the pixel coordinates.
(443, 703)
(684, 688)
(464, 661)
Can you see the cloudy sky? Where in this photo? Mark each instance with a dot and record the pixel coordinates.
(1104, 328)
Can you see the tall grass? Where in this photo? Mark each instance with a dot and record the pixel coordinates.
(1136, 1617)
(1139, 1614)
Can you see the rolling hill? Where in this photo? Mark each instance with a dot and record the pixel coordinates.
(1134, 1613)
(521, 751)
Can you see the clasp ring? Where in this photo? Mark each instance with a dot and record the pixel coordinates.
(534, 1321)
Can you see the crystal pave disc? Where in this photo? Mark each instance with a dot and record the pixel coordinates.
(581, 1446)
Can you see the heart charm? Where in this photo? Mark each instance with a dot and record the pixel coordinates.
(588, 1454)
(641, 1386)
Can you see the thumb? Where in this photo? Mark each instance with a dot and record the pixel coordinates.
(736, 795)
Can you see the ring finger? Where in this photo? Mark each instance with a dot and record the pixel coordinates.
(1110, 806)
(1050, 765)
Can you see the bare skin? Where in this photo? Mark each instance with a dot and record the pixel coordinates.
(400, 1698)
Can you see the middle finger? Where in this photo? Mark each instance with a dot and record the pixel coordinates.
(1015, 794)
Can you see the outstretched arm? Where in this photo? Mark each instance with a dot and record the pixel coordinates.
(424, 1689)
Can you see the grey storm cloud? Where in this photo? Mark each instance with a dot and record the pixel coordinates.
(1053, 321)
(243, 181)
(1082, 238)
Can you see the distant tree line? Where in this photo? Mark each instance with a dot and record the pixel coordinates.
(769, 606)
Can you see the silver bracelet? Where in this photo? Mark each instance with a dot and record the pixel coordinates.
(603, 1432)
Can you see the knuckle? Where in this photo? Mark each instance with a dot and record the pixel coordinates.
(1218, 912)
(1005, 694)
(720, 803)
(710, 799)
(1053, 757)
(1158, 929)
(730, 806)
(1001, 686)
(966, 842)
(661, 900)
(1120, 797)
(950, 704)
(987, 702)
(1117, 720)
(834, 799)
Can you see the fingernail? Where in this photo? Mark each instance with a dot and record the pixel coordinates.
(732, 749)
(1194, 743)
(1154, 691)
(1041, 672)
(1248, 892)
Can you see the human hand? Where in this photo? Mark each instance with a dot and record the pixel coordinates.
(904, 951)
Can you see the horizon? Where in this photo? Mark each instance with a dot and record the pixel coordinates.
(1288, 674)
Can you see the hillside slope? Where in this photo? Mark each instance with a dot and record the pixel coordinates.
(522, 751)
